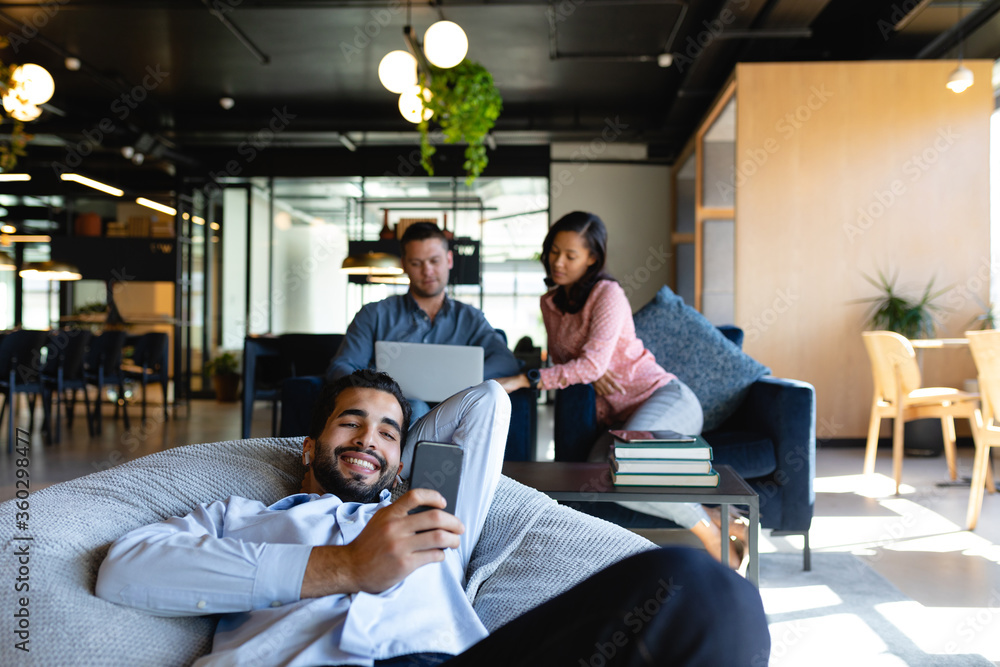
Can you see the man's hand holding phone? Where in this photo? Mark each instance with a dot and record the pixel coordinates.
(393, 544)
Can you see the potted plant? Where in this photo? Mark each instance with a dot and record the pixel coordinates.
(890, 311)
(225, 371)
(912, 318)
(465, 105)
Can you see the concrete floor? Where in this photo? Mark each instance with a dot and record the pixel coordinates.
(916, 539)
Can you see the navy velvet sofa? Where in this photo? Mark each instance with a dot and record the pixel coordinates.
(769, 439)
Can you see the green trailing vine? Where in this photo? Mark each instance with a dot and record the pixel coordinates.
(466, 105)
(13, 147)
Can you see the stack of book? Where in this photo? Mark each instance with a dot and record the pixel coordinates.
(661, 458)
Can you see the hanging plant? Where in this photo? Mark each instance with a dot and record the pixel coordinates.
(13, 147)
(466, 105)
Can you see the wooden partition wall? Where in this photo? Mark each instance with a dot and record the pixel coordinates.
(843, 169)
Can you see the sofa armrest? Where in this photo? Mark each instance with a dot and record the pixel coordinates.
(785, 411)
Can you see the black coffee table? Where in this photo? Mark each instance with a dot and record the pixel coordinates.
(591, 482)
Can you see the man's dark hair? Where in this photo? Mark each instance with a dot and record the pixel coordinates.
(420, 231)
(363, 379)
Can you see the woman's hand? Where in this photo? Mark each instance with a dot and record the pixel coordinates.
(514, 382)
(607, 384)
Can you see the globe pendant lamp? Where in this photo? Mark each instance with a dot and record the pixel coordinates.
(33, 83)
(398, 71)
(445, 44)
(412, 104)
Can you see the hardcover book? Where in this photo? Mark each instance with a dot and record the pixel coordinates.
(699, 450)
(709, 479)
(661, 466)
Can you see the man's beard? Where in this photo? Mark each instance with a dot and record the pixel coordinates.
(327, 472)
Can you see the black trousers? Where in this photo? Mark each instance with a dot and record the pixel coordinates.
(665, 607)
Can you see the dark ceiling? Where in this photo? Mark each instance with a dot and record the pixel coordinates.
(152, 72)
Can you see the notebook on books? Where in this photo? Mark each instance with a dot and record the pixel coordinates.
(650, 436)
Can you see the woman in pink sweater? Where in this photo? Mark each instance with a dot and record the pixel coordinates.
(591, 339)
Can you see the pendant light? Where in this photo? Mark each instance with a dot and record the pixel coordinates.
(961, 78)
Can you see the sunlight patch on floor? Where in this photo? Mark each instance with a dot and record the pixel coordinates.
(948, 630)
(823, 640)
(798, 598)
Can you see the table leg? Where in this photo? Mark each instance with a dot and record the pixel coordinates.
(753, 566)
(724, 527)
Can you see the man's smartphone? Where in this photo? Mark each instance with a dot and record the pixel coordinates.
(438, 466)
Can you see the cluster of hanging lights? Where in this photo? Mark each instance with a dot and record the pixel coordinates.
(445, 45)
(30, 86)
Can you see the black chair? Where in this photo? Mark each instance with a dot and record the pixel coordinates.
(103, 367)
(20, 373)
(151, 355)
(63, 371)
(261, 378)
(269, 361)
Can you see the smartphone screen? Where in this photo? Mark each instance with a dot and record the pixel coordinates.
(438, 466)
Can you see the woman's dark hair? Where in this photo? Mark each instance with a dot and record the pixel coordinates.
(364, 379)
(593, 232)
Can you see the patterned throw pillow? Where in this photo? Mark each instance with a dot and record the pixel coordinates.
(689, 346)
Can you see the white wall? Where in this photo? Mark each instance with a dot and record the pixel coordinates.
(633, 200)
(309, 286)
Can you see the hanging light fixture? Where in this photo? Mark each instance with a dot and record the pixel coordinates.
(412, 104)
(372, 264)
(961, 78)
(50, 270)
(398, 71)
(445, 44)
(33, 83)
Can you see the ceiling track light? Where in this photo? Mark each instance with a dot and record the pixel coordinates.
(156, 206)
(91, 183)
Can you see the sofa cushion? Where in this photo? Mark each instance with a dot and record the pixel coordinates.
(689, 346)
(750, 454)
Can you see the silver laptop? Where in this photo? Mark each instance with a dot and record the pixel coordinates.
(430, 372)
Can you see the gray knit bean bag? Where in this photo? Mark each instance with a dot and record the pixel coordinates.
(531, 550)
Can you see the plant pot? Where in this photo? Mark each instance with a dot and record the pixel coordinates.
(923, 437)
(227, 387)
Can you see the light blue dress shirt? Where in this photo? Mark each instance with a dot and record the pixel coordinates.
(246, 561)
(399, 319)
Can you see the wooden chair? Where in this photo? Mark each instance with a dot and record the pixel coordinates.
(899, 396)
(985, 346)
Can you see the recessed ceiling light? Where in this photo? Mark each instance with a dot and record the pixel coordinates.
(227, 103)
(665, 59)
(72, 64)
